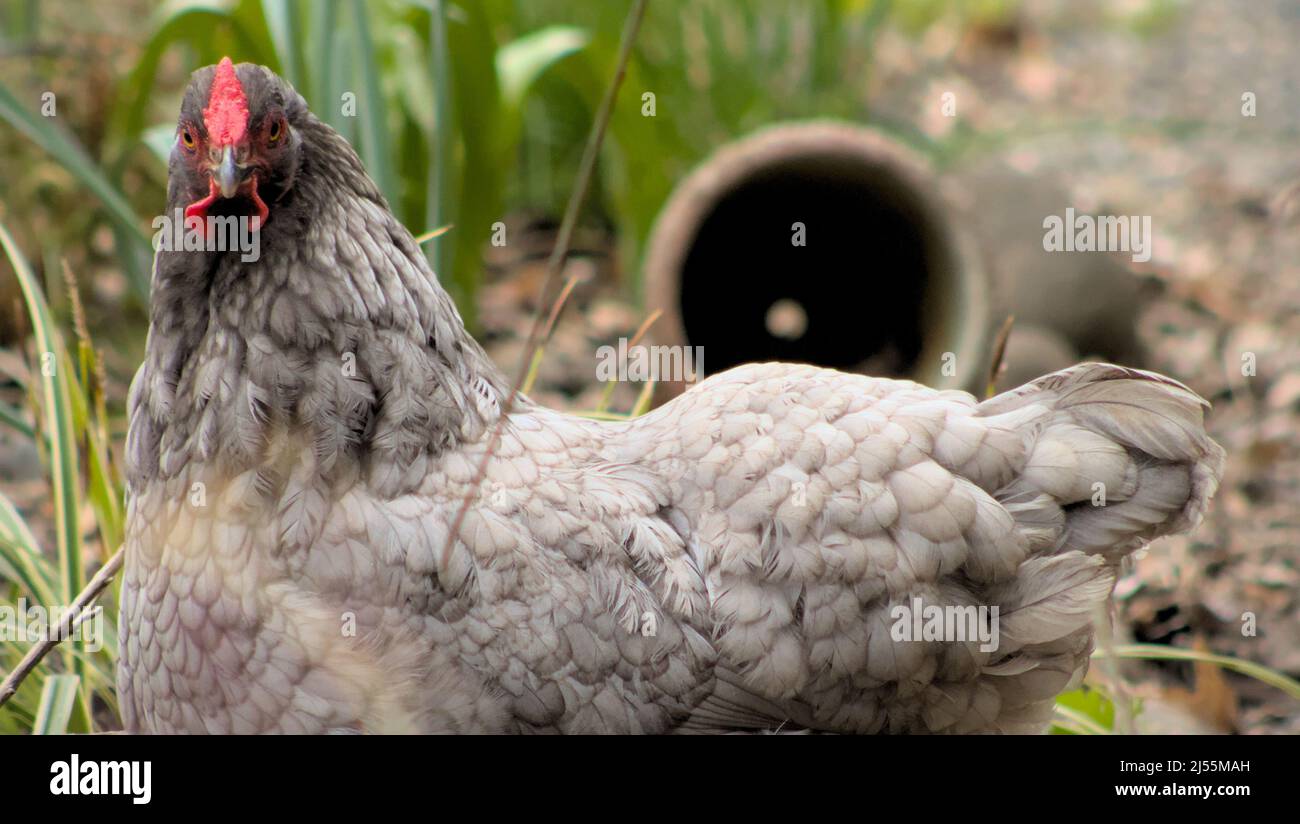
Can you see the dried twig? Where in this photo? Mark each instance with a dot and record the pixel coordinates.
(536, 363)
(74, 299)
(433, 233)
(999, 354)
(641, 332)
(644, 328)
(70, 618)
(556, 262)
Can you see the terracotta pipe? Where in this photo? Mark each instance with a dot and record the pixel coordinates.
(884, 282)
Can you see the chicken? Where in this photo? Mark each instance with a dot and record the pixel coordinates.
(753, 555)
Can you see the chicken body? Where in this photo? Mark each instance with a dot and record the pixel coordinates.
(306, 426)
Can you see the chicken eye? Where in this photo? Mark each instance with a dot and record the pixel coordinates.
(187, 138)
(274, 134)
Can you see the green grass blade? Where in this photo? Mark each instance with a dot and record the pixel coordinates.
(603, 415)
(284, 22)
(521, 62)
(1158, 652)
(21, 559)
(13, 418)
(321, 22)
(253, 33)
(519, 65)
(339, 72)
(433, 234)
(103, 491)
(212, 30)
(102, 484)
(1076, 723)
(284, 18)
(644, 399)
(90, 421)
(1086, 707)
(533, 366)
(160, 139)
(56, 407)
(476, 106)
(58, 697)
(67, 152)
(375, 146)
(171, 24)
(438, 185)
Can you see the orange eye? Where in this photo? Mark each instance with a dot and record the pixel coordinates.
(187, 138)
(274, 134)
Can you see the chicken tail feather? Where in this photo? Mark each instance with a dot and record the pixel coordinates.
(1124, 454)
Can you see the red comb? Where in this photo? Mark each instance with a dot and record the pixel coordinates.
(226, 116)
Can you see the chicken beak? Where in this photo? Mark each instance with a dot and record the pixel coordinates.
(227, 173)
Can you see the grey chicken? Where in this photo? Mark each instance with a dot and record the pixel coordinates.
(305, 427)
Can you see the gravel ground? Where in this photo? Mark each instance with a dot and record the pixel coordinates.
(1222, 191)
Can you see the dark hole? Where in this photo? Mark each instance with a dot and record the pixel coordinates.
(860, 278)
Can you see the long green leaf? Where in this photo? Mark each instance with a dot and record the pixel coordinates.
(1086, 707)
(160, 139)
(90, 421)
(521, 62)
(519, 65)
(1158, 652)
(375, 146)
(340, 75)
(439, 188)
(1075, 722)
(65, 150)
(58, 697)
(284, 20)
(11, 417)
(21, 559)
(103, 486)
(252, 27)
(211, 30)
(476, 104)
(170, 25)
(323, 13)
(56, 407)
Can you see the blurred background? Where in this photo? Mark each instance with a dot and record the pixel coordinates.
(921, 143)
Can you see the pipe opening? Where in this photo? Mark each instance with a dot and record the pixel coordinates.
(828, 259)
(823, 243)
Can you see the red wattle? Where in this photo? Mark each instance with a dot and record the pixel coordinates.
(199, 208)
(263, 211)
